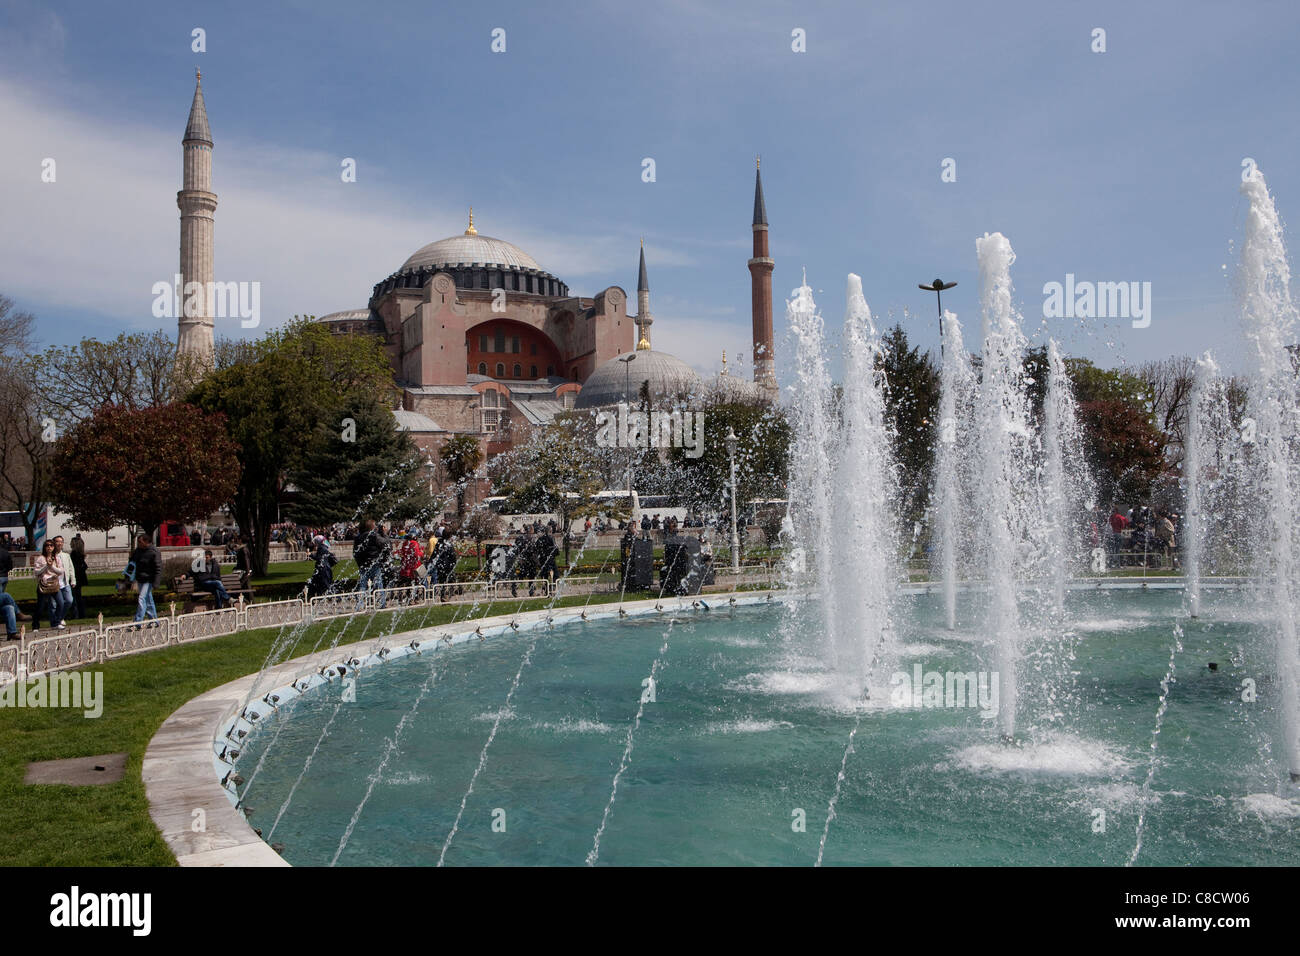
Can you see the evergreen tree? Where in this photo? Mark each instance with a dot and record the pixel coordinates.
(358, 462)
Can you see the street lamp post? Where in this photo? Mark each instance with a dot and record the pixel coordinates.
(735, 531)
(938, 287)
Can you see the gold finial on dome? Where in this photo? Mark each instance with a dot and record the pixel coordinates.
(724, 361)
(471, 231)
(644, 344)
(198, 74)
(758, 162)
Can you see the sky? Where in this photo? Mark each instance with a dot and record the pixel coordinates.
(1115, 166)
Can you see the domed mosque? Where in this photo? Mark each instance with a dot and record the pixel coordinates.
(484, 341)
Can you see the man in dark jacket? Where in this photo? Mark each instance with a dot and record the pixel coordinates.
(371, 554)
(208, 578)
(148, 575)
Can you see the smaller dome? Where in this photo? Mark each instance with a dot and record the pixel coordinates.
(619, 379)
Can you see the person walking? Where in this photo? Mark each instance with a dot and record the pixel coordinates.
(148, 575)
(68, 577)
(82, 576)
(49, 583)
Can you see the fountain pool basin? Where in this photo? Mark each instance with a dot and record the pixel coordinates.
(735, 759)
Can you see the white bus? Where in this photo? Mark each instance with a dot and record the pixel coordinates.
(612, 505)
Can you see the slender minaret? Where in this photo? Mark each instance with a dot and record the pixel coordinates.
(760, 272)
(197, 203)
(643, 318)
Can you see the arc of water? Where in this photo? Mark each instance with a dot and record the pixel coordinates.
(1155, 739)
(505, 708)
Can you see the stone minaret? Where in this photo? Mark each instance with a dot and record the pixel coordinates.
(197, 203)
(760, 272)
(643, 318)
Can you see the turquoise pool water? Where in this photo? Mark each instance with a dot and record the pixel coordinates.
(746, 735)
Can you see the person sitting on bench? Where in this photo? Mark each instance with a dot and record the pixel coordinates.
(208, 578)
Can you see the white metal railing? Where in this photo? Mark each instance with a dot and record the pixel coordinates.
(121, 640)
(201, 624)
(30, 658)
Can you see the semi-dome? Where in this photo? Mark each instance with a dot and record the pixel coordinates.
(618, 380)
(470, 250)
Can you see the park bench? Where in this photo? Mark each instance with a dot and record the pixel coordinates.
(232, 581)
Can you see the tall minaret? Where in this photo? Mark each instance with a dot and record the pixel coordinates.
(760, 272)
(643, 318)
(197, 203)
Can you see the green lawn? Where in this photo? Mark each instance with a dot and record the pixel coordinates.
(110, 825)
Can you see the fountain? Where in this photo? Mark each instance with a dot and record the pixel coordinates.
(956, 387)
(1269, 320)
(760, 706)
(1004, 461)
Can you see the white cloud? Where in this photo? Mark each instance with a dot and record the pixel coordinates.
(99, 237)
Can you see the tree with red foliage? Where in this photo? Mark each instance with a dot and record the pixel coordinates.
(1125, 448)
(141, 467)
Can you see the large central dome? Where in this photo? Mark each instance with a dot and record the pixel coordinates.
(470, 250)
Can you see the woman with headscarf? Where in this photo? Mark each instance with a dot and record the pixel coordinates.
(322, 578)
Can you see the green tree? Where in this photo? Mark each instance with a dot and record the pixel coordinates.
(274, 398)
(141, 467)
(461, 455)
(357, 460)
(911, 407)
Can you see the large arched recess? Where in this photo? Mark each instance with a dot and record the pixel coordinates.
(508, 342)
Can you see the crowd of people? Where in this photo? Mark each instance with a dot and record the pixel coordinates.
(1135, 535)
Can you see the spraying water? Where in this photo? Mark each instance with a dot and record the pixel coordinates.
(1003, 453)
(1269, 320)
(810, 461)
(1067, 485)
(1194, 524)
(864, 487)
(956, 384)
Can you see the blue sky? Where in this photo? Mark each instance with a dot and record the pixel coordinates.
(1115, 166)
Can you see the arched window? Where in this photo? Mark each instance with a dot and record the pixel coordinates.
(532, 371)
(550, 370)
(574, 373)
(519, 372)
(482, 368)
(501, 370)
